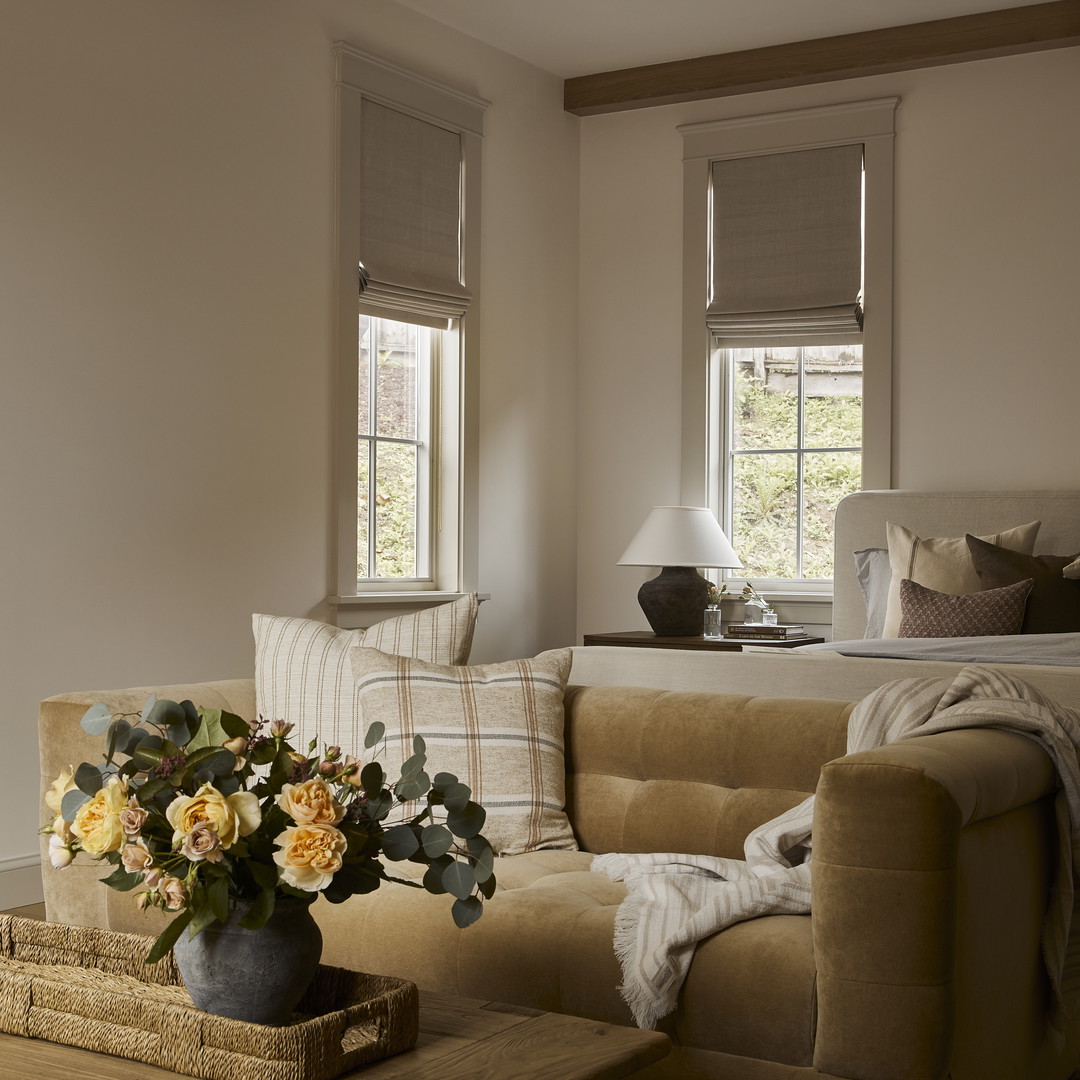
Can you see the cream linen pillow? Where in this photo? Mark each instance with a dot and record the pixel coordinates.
(496, 727)
(941, 563)
(302, 672)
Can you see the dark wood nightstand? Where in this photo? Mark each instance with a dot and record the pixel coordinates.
(646, 639)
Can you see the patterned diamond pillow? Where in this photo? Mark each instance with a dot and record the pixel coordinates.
(927, 613)
(496, 727)
(302, 672)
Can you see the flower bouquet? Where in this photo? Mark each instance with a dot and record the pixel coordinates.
(208, 814)
(753, 598)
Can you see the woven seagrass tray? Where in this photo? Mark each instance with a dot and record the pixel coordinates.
(86, 987)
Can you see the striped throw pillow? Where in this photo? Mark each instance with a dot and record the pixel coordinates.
(496, 727)
(302, 672)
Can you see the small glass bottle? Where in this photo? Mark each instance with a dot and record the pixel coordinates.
(713, 622)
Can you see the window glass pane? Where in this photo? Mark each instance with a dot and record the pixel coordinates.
(395, 510)
(396, 380)
(362, 507)
(833, 389)
(765, 409)
(764, 514)
(827, 478)
(363, 413)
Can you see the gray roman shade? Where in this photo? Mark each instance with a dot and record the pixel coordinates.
(786, 248)
(410, 218)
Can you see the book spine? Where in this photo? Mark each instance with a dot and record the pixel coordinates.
(733, 632)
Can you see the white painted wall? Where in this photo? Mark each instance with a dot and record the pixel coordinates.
(987, 234)
(166, 239)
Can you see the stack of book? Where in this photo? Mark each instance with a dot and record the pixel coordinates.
(762, 632)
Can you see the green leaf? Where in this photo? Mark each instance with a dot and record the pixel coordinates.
(466, 911)
(486, 888)
(468, 822)
(96, 720)
(407, 790)
(218, 760)
(378, 806)
(88, 778)
(433, 881)
(481, 850)
(459, 879)
(169, 937)
(419, 746)
(165, 713)
(264, 876)
(236, 727)
(261, 910)
(118, 731)
(263, 753)
(132, 740)
(436, 840)
(412, 766)
(372, 778)
(375, 733)
(400, 842)
(443, 780)
(151, 701)
(210, 733)
(456, 797)
(121, 880)
(217, 896)
(71, 802)
(150, 789)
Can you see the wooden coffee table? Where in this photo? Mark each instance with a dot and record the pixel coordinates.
(460, 1039)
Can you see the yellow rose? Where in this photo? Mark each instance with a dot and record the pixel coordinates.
(311, 803)
(310, 855)
(232, 817)
(64, 783)
(97, 823)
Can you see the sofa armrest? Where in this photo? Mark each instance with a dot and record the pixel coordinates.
(74, 895)
(916, 845)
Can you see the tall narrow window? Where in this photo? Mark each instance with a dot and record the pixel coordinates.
(790, 216)
(408, 267)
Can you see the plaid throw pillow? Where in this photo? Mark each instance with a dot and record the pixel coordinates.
(926, 613)
(302, 672)
(496, 727)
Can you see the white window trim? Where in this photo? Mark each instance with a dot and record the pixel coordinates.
(455, 501)
(873, 124)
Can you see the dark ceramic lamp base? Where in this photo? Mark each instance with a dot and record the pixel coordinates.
(674, 601)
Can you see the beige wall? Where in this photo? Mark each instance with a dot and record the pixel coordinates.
(166, 194)
(987, 234)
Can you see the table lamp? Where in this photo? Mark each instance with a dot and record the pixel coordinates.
(678, 539)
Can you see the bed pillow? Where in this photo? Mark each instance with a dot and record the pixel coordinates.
(302, 672)
(1054, 604)
(874, 574)
(993, 612)
(496, 727)
(941, 563)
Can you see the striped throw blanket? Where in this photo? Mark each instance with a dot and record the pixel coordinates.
(674, 901)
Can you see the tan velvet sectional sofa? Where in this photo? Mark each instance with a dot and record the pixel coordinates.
(932, 866)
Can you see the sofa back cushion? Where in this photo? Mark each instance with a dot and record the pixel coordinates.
(653, 770)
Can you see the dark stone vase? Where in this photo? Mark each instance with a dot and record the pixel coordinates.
(254, 975)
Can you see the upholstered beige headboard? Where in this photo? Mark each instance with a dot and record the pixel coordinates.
(861, 518)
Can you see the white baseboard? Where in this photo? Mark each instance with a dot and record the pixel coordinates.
(20, 882)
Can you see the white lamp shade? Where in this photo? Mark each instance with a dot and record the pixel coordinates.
(680, 536)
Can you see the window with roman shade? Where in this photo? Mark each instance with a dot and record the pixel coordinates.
(407, 299)
(785, 250)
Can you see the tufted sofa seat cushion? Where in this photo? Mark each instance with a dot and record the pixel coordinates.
(546, 938)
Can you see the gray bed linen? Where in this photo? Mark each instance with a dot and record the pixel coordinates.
(1061, 650)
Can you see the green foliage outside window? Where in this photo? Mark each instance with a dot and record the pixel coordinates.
(765, 486)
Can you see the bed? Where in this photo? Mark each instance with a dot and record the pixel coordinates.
(850, 665)
(861, 528)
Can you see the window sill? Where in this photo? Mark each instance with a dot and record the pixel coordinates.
(427, 598)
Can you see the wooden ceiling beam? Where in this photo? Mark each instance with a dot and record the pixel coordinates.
(1052, 25)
